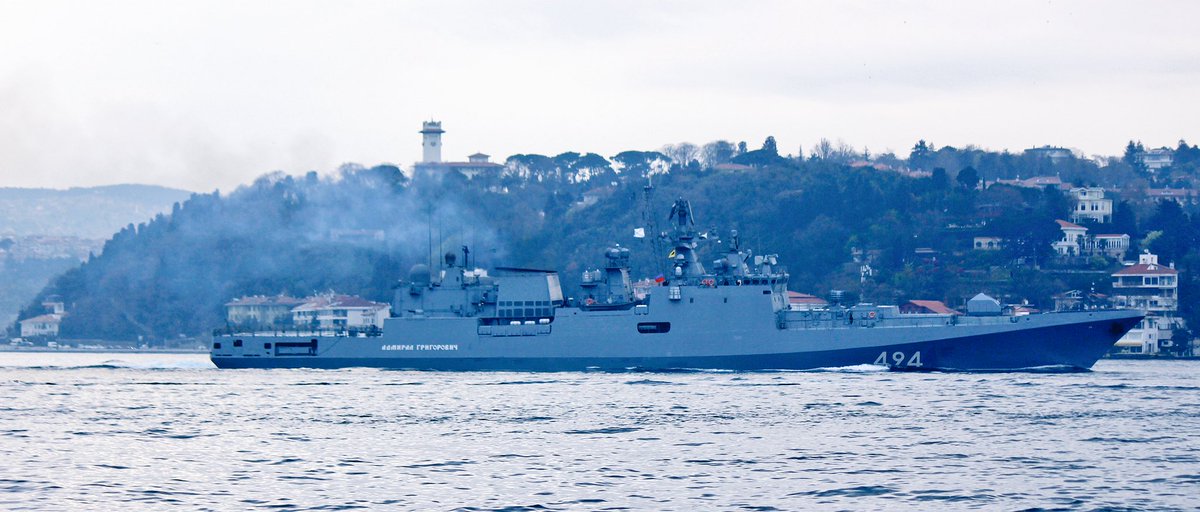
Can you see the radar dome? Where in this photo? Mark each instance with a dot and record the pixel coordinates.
(419, 275)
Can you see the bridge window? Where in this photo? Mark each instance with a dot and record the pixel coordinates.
(653, 327)
(237, 343)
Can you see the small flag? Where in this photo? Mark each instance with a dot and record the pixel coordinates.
(660, 279)
(639, 233)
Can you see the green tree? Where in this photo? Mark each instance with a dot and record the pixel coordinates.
(921, 155)
(769, 146)
(967, 178)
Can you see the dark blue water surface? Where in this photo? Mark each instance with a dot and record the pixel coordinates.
(128, 431)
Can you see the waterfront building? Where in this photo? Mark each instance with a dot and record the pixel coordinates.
(41, 326)
(1154, 289)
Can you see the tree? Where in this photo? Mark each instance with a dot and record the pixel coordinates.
(967, 178)
(681, 154)
(921, 155)
(741, 147)
(939, 178)
(1124, 221)
(823, 150)
(639, 163)
(1133, 155)
(769, 146)
(1185, 154)
(717, 152)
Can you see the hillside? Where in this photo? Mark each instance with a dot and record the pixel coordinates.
(44, 232)
(359, 230)
(93, 212)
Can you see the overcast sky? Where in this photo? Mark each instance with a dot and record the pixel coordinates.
(205, 95)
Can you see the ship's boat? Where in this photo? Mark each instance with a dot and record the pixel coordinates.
(734, 316)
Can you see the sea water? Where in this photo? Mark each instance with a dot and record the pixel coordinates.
(156, 432)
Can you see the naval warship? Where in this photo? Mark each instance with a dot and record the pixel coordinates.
(734, 315)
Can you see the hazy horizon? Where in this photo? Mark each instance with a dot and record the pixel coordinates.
(203, 95)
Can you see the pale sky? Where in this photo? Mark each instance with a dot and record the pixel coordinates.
(210, 94)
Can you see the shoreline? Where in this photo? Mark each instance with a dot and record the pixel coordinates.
(111, 350)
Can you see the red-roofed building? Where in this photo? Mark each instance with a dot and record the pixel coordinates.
(804, 302)
(1076, 242)
(1182, 196)
(1154, 289)
(41, 325)
(1073, 240)
(926, 307)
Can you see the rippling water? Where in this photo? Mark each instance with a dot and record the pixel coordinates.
(102, 431)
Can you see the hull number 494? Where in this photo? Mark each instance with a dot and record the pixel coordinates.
(899, 359)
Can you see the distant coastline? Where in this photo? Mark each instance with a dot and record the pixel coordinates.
(113, 350)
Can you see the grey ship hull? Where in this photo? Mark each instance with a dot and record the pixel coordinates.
(729, 328)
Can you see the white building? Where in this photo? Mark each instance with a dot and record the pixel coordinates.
(988, 243)
(1156, 159)
(41, 325)
(1111, 245)
(1073, 240)
(260, 310)
(1055, 154)
(1090, 204)
(1077, 242)
(431, 142)
(339, 312)
(431, 150)
(1152, 288)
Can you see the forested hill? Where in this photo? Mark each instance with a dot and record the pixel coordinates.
(358, 232)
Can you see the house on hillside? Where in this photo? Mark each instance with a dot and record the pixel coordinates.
(1156, 159)
(1090, 204)
(261, 310)
(1111, 245)
(1076, 242)
(1182, 196)
(988, 243)
(1073, 300)
(1073, 240)
(1035, 182)
(1054, 154)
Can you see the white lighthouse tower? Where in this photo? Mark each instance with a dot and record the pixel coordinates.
(431, 141)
